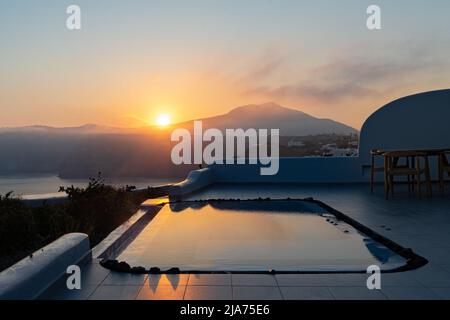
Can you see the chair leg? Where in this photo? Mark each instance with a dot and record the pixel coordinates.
(372, 174)
(386, 186)
(391, 181)
(409, 177)
(386, 178)
(428, 178)
(419, 191)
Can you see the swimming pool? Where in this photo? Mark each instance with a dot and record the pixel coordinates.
(257, 236)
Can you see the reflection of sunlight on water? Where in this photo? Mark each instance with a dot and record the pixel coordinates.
(219, 237)
(163, 286)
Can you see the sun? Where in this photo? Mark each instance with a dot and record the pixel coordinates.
(163, 120)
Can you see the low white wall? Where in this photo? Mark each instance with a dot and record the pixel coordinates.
(28, 278)
(291, 170)
(295, 170)
(196, 180)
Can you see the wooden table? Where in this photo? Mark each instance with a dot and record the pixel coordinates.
(431, 152)
(395, 155)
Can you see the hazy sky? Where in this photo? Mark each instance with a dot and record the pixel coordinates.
(134, 60)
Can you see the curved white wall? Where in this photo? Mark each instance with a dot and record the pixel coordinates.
(420, 121)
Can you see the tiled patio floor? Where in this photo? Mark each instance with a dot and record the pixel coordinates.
(421, 224)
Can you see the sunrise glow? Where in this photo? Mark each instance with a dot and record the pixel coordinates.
(163, 120)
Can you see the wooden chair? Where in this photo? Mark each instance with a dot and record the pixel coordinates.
(374, 169)
(444, 167)
(419, 167)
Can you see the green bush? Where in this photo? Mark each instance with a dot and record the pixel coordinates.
(18, 230)
(95, 210)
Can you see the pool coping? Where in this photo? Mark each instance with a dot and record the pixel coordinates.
(413, 260)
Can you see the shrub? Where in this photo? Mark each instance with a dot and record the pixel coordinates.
(18, 230)
(95, 210)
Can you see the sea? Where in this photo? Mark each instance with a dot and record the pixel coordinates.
(48, 185)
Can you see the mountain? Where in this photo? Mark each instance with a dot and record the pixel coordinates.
(81, 152)
(263, 116)
(273, 116)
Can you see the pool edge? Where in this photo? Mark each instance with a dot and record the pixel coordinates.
(413, 260)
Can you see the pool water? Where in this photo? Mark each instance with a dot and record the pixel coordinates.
(254, 236)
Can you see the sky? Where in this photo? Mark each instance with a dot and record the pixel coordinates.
(134, 60)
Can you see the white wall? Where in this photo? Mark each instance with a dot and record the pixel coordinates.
(31, 276)
(295, 170)
(420, 121)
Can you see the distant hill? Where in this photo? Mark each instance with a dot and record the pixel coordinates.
(84, 129)
(264, 116)
(273, 116)
(81, 152)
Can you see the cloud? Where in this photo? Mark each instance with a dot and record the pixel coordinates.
(320, 93)
(266, 67)
(350, 76)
